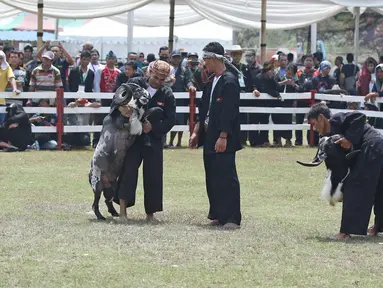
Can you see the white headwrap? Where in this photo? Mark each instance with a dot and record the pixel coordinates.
(4, 64)
(210, 55)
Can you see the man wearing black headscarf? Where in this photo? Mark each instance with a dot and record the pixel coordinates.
(218, 131)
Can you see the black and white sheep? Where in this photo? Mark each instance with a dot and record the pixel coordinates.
(117, 135)
(338, 163)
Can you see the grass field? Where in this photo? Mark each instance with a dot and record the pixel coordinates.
(50, 238)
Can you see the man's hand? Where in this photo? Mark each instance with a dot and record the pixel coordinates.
(291, 82)
(126, 111)
(16, 91)
(344, 143)
(13, 125)
(192, 89)
(147, 127)
(371, 96)
(72, 104)
(256, 93)
(37, 119)
(193, 141)
(220, 145)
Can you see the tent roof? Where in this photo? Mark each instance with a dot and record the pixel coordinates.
(281, 14)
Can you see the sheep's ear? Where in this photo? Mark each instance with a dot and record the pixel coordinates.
(350, 156)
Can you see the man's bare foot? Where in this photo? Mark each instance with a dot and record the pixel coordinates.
(122, 219)
(214, 222)
(150, 218)
(231, 226)
(340, 236)
(372, 231)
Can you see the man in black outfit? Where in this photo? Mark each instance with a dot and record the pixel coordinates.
(363, 188)
(218, 130)
(148, 147)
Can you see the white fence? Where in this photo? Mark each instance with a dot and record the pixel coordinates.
(184, 109)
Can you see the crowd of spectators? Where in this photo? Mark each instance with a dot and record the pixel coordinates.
(52, 67)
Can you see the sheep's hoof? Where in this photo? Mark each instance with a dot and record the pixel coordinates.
(98, 213)
(111, 209)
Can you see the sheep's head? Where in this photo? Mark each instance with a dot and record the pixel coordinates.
(337, 162)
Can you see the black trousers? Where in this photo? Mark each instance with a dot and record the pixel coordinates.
(283, 119)
(223, 189)
(262, 136)
(363, 189)
(298, 133)
(243, 117)
(152, 158)
(77, 139)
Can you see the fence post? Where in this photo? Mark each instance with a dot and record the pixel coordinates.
(312, 102)
(60, 112)
(192, 97)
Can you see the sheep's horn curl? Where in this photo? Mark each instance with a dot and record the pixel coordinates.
(310, 164)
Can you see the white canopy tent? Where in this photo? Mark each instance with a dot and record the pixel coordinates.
(280, 14)
(106, 34)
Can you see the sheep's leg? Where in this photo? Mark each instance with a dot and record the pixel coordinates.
(111, 209)
(95, 207)
(109, 195)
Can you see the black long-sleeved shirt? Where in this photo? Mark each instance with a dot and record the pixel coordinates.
(164, 99)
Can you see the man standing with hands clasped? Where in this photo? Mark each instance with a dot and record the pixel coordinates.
(218, 131)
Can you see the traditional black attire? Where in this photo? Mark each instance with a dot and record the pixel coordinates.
(222, 112)
(363, 188)
(20, 136)
(148, 148)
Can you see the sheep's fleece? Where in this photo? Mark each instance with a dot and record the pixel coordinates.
(117, 135)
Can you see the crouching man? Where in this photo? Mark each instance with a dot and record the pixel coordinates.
(363, 188)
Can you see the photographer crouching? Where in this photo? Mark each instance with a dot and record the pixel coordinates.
(15, 132)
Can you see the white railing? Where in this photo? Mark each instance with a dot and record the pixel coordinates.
(184, 109)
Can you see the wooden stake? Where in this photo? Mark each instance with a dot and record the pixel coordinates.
(171, 25)
(40, 13)
(263, 32)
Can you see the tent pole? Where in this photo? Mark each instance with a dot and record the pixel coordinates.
(57, 28)
(234, 37)
(171, 25)
(130, 30)
(356, 34)
(40, 8)
(313, 35)
(263, 32)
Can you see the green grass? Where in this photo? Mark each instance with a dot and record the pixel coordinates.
(49, 237)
